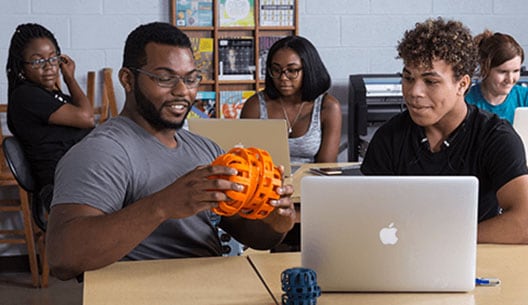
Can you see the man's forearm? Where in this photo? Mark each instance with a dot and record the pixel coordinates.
(503, 229)
(93, 241)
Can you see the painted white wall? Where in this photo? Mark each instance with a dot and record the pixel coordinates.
(352, 36)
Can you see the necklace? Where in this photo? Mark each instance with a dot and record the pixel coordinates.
(290, 125)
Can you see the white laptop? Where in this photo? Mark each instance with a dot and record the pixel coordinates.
(270, 135)
(520, 124)
(397, 233)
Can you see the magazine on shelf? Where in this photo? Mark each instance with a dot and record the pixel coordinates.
(236, 58)
(265, 43)
(203, 55)
(277, 12)
(231, 102)
(206, 103)
(196, 113)
(237, 12)
(194, 13)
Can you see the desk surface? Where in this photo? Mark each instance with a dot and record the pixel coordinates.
(507, 262)
(216, 280)
(232, 280)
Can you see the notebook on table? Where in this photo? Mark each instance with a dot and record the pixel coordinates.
(397, 233)
(270, 135)
(348, 170)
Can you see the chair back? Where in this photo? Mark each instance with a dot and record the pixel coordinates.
(108, 107)
(6, 177)
(108, 98)
(18, 164)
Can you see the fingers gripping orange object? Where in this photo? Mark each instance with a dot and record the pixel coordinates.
(259, 177)
(247, 168)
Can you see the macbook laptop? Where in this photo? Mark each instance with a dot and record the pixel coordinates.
(520, 124)
(397, 233)
(270, 135)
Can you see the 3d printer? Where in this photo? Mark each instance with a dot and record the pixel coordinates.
(372, 100)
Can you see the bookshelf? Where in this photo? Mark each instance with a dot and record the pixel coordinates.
(266, 21)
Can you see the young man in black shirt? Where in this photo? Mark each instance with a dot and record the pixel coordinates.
(440, 134)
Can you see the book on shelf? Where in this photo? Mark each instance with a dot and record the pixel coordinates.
(196, 113)
(236, 58)
(231, 102)
(237, 12)
(194, 12)
(205, 105)
(277, 12)
(203, 55)
(265, 43)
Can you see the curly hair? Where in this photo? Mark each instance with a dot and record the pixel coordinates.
(438, 39)
(495, 49)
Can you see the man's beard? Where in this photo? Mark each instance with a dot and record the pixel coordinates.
(152, 115)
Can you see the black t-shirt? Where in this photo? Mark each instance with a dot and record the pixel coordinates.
(29, 109)
(483, 146)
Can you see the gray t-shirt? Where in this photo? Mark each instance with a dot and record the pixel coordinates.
(120, 163)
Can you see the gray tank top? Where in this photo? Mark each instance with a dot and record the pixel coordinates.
(304, 148)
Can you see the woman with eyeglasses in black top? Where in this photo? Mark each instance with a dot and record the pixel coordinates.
(45, 120)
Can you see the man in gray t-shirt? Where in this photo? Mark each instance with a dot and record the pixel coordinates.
(139, 186)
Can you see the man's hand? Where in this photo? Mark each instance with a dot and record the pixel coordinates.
(282, 218)
(198, 190)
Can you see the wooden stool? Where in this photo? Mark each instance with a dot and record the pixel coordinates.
(19, 236)
(29, 232)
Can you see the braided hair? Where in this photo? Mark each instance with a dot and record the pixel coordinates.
(23, 35)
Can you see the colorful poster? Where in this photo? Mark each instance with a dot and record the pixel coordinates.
(237, 13)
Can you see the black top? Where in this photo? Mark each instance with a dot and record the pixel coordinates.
(29, 109)
(484, 146)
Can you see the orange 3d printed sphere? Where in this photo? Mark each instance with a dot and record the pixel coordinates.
(260, 178)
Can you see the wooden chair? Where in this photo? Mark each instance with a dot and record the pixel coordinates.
(108, 92)
(19, 166)
(108, 107)
(90, 87)
(28, 233)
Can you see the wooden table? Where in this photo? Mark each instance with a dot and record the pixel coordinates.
(215, 280)
(233, 280)
(507, 262)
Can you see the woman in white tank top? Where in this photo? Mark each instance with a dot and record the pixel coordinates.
(296, 84)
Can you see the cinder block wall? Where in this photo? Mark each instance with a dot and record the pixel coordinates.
(352, 36)
(360, 36)
(91, 32)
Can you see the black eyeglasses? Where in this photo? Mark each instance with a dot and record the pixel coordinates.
(41, 63)
(291, 73)
(191, 80)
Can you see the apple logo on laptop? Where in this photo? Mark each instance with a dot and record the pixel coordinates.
(388, 235)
